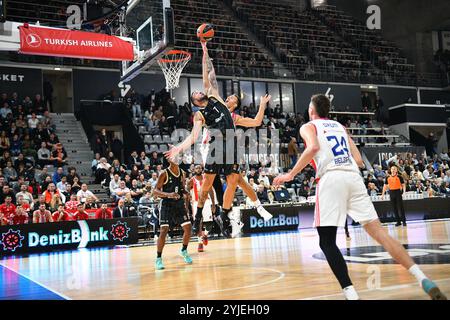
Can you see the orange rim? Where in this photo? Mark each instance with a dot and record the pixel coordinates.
(186, 56)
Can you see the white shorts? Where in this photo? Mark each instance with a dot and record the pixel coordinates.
(207, 212)
(339, 193)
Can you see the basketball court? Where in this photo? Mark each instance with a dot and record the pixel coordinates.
(284, 266)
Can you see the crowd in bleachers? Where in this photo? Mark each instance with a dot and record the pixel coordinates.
(36, 183)
(233, 52)
(140, 173)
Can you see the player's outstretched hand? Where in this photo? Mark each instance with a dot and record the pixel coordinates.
(282, 179)
(266, 99)
(203, 43)
(172, 153)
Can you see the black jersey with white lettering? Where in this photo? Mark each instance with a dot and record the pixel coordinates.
(217, 116)
(173, 183)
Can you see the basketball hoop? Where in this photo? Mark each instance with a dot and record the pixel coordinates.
(172, 64)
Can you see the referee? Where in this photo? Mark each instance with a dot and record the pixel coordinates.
(396, 187)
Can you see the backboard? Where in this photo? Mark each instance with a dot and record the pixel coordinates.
(150, 24)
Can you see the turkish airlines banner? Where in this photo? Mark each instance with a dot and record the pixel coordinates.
(73, 44)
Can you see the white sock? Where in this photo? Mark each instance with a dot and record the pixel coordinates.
(256, 203)
(200, 240)
(416, 272)
(350, 293)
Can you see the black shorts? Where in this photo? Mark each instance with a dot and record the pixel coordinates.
(225, 169)
(173, 213)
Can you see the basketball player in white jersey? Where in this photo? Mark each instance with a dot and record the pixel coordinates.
(340, 191)
(194, 186)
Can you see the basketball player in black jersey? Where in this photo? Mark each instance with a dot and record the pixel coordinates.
(213, 114)
(170, 187)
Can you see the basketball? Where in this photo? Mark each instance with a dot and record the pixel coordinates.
(205, 32)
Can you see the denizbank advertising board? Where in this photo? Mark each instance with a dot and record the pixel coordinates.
(30, 238)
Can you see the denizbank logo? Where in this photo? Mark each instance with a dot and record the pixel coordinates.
(81, 236)
(279, 221)
(75, 236)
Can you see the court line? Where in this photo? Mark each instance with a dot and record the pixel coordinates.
(281, 276)
(38, 283)
(388, 288)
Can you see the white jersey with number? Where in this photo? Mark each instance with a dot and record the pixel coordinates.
(334, 152)
(340, 189)
(207, 207)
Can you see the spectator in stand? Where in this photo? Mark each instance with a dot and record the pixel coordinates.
(57, 175)
(293, 150)
(33, 123)
(43, 155)
(51, 192)
(262, 194)
(61, 214)
(76, 185)
(81, 213)
(84, 193)
(9, 172)
(21, 160)
(153, 180)
(42, 215)
(155, 160)
(136, 192)
(7, 192)
(20, 216)
(121, 211)
(122, 191)
(59, 156)
(67, 192)
(95, 162)
(55, 202)
(104, 212)
(72, 204)
(145, 161)
(25, 194)
(134, 160)
(39, 105)
(90, 203)
(72, 174)
(8, 209)
(4, 142)
(114, 184)
(61, 185)
(102, 170)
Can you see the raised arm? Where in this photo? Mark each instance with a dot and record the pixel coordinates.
(189, 141)
(256, 122)
(209, 74)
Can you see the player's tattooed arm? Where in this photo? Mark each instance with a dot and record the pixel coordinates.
(209, 74)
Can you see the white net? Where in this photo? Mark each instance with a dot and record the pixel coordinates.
(172, 65)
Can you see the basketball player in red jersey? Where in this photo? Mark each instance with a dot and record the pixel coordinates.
(194, 186)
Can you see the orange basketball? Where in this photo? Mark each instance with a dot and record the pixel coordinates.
(205, 32)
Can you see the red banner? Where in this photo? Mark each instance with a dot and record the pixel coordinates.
(73, 44)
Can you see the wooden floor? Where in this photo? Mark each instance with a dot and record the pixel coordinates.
(273, 266)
